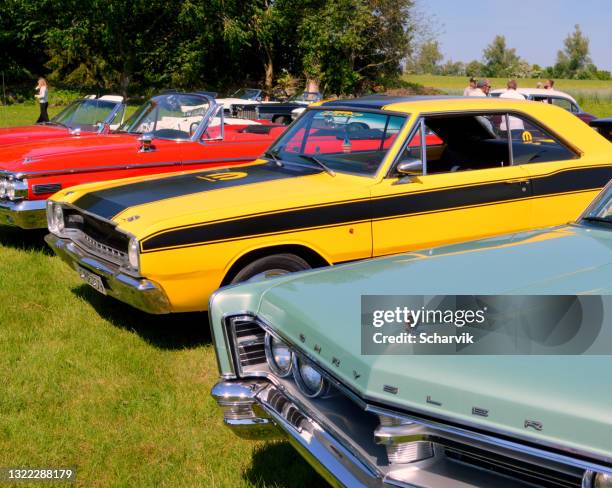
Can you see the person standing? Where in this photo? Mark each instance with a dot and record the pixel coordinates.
(43, 100)
(483, 87)
(516, 125)
(470, 88)
(549, 85)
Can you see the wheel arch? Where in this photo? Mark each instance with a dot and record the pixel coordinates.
(313, 257)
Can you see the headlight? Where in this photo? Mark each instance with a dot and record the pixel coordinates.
(3, 187)
(17, 189)
(134, 253)
(602, 480)
(10, 190)
(279, 356)
(55, 217)
(310, 381)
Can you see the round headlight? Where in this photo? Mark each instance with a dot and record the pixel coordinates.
(58, 218)
(602, 480)
(3, 187)
(134, 253)
(310, 381)
(278, 355)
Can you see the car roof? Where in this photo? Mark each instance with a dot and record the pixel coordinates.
(379, 102)
(538, 91)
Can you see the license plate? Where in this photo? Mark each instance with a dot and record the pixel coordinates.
(92, 280)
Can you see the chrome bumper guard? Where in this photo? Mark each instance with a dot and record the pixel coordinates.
(27, 214)
(142, 294)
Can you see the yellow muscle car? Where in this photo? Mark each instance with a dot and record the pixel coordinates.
(350, 179)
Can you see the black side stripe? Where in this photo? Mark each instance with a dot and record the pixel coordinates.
(574, 180)
(110, 202)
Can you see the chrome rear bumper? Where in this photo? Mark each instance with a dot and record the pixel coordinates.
(140, 293)
(27, 214)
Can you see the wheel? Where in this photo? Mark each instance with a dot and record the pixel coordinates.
(269, 267)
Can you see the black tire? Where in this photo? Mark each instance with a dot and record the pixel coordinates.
(277, 264)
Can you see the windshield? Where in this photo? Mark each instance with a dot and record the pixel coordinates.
(344, 141)
(600, 211)
(306, 97)
(85, 114)
(247, 93)
(169, 116)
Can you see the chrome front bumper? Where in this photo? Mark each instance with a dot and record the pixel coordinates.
(259, 409)
(250, 411)
(27, 214)
(140, 293)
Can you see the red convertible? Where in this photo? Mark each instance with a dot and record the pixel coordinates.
(169, 133)
(83, 117)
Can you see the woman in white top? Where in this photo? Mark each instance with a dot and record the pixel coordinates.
(43, 100)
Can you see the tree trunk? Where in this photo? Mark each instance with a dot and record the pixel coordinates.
(269, 74)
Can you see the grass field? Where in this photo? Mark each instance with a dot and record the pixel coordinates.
(594, 96)
(118, 394)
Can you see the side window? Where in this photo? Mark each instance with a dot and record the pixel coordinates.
(461, 143)
(563, 103)
(481, 141)
(533, 144)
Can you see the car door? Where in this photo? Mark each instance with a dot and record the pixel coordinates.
(462, 195)
(563, 182)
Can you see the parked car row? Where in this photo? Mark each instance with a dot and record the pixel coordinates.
(478, 191)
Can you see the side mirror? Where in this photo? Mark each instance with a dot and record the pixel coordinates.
(75, 132)
(410, 167)
(146, 143)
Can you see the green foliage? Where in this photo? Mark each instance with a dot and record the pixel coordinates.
(428, 59)
(573, 61)
(502, 61)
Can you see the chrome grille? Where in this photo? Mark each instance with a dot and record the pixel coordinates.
(247, 113)
(109, 252)
(249, 340)
(537, 474)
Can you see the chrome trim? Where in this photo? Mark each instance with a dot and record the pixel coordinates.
(142, 294)
(26, 214)
(270, 357)
(99, 169)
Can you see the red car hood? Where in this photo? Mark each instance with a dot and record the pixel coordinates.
(67, 152)
(12, 135)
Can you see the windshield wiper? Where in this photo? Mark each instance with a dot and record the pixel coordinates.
(603, 220)
(315, 160)
(274, 157)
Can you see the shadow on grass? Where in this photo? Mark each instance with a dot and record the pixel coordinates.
(173, 331)
(28, 240)
(278, 464)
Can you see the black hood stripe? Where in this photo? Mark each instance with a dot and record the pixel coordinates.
(109, 202)
(342, 213)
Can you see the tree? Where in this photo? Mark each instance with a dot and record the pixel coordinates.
(428, 58)
(499, 60)
(573, 60)
(474, 69)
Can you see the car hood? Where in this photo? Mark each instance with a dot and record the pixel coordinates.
(65, 153)
(567, 394)
(12, 135)
(148, 206)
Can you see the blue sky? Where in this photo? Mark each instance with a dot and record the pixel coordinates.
(535, 28)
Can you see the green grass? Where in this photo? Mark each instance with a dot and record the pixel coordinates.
(121, 395)
(594, 96)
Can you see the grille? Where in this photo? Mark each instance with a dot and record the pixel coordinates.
(249, 337)
(247, 113)
(99, 237)
(538, 475)
(42, 189)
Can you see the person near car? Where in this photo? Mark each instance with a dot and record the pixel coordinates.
(549, 85)
(43, 99)
(516, 125)
(471, 87)
(483, 87)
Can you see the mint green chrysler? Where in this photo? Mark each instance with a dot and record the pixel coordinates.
(292, 366)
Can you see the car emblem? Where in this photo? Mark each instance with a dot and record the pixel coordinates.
(534, 424)
(227, 175)
(132, 218)
(433, 402)
(356, 375)
(336, 362)
(481, 412)
(390, 389)
(302, 338)
(317, 349)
